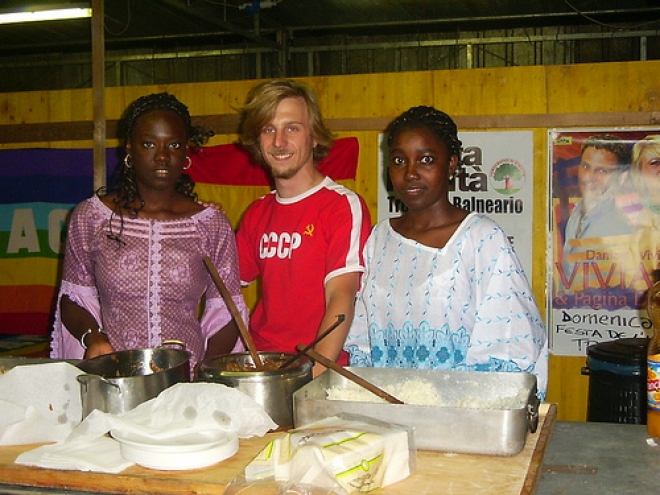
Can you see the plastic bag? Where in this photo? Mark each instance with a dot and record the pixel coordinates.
(339, 455)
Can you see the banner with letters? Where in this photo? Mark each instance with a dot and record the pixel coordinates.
(39, 187)
(605, 236)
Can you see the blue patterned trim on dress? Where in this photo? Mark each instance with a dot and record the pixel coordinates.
(423, 347)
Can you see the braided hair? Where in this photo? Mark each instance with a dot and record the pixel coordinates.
(435, 121)
(124, 184)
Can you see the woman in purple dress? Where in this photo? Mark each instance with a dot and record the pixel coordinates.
(133, 272)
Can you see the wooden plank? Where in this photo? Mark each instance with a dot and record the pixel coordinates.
(568, 387)
(527, 121)
(437, 472)
(609, 87)
(58, 131)
(228, 124)
(534, 471)
(219, 124)
(492, 91)
(98, 92)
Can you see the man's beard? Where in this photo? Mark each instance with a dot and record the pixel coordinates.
(283, 173)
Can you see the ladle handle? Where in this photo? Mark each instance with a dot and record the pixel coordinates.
(328, 331)
(329, 363)
(245, 333)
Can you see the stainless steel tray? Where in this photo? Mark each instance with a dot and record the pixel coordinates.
(472, 430)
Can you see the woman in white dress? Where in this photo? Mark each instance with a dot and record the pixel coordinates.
(444, 288)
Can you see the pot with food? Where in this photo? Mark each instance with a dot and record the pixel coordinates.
(120, 381)
(272, 386)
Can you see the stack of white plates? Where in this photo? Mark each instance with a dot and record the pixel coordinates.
(192, 450)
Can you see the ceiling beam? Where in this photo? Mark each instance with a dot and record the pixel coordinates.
(558, 18)
(206, 15)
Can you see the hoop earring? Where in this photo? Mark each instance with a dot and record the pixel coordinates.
(188, 163)
(127, 160)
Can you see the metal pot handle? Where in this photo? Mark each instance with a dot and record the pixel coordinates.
(533, 413)
(85, 380)
(174, 343)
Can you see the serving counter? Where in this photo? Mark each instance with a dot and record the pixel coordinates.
(437, 472)
(599, 458)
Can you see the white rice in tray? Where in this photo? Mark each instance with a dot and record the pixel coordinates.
(423, 393)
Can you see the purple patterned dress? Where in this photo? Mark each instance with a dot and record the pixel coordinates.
(147, 289)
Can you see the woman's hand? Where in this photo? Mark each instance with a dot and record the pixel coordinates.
(97, 345)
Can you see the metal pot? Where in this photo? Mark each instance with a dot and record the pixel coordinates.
(119, 381)
(272, 389)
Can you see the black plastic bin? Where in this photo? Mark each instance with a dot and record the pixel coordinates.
(617, 381)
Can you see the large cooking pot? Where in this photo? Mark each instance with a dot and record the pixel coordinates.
(119, 381)
(273, 388)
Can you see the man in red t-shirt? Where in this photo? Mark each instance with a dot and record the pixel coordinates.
(305, 238)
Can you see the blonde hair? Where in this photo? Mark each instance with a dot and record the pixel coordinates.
(259, 110)
(651, 142)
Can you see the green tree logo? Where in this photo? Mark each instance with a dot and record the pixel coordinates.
(507, 176)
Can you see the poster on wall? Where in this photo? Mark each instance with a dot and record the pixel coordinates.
(605, 235)
(496, 180)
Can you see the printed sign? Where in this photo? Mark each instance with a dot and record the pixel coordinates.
(496, 180)
(605, 242)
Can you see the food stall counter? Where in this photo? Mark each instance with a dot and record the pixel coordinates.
(437, 472)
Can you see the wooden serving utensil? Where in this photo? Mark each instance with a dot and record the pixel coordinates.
(329, 363)
(340, 319)
(245, 333)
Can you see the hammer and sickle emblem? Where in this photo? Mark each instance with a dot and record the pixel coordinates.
(309, 230)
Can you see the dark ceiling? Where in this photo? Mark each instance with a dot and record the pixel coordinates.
(178, 24)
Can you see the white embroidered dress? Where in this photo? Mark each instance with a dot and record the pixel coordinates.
(467, 306)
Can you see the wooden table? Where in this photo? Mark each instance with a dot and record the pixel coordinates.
(437, 472)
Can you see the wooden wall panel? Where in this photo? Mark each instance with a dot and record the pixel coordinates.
(15, 108)
(32, 107)
(497, 98)
(61, 107)
(568, 388)
(540, 221)
(377, 95)
(498, 91)
(612, 87)
(69, 105)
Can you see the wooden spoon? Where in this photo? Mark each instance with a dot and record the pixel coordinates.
(245, 333)
(340, 319)
(329, 363)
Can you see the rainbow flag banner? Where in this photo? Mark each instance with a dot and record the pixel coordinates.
(39, 187)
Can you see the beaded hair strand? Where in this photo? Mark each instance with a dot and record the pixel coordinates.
(439, 123)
